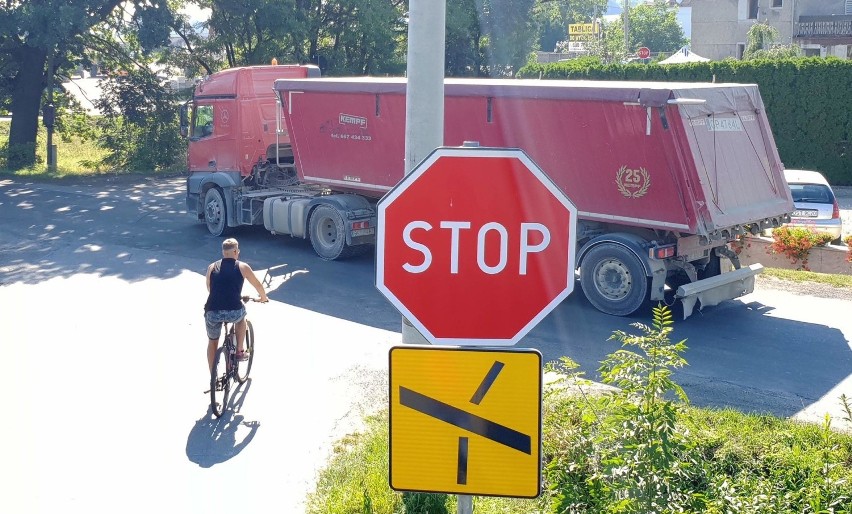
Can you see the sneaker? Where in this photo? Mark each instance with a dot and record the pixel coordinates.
(242, 356)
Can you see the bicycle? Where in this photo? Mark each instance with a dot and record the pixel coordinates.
(227, 368)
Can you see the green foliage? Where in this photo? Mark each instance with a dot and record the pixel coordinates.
(425, 503)
(357, 479)
(636, 458)
(139, 124)
(796, 243)
(639, 449)
(805, 98)
(655, 26)
(760, 44)
(76, 154)
(553, 17)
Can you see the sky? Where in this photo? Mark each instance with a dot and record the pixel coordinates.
(195, 13)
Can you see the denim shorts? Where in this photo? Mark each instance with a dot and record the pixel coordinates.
(214, 319)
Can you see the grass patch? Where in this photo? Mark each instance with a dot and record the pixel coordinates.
(636, 448)
(840, 281)
(748, 463)
(75, 156)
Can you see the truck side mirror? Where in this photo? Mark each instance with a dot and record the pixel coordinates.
(184, 120)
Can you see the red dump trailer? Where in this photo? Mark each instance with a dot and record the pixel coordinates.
(663, 175)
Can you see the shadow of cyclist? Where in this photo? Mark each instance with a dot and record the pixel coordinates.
(214, 440)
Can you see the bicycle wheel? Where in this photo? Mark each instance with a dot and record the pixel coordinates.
(220, 383)
(244, 368)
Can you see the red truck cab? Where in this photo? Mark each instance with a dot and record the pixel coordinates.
(233, 123)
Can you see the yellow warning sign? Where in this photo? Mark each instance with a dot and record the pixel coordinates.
(465, 420)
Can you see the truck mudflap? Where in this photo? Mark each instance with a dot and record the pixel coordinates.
(712, 291)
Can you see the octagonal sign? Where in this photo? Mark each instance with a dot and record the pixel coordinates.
(475, 246)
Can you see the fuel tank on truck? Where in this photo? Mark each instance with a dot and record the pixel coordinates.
(691, 158)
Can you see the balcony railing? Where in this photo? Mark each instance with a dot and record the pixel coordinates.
(833, 26)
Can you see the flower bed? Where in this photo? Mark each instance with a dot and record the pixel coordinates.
(821, 259)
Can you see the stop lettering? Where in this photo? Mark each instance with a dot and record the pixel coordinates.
(475, 246)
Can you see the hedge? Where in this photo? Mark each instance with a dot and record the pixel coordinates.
(808, 100)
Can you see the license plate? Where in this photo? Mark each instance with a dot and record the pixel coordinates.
(363, 232)
(805, 213)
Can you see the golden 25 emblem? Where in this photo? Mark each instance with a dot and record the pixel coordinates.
(633, 183)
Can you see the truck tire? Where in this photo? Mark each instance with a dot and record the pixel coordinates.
(328, 234)
(613, 279)
(216, 212)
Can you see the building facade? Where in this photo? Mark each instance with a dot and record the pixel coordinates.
(820, 27)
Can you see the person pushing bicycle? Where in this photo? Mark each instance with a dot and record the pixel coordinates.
(225, 279)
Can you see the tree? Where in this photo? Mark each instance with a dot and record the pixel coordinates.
(465, 42)
(552, 18)
(39, 37)
(342, 36)
(652, 25)
(760, 44)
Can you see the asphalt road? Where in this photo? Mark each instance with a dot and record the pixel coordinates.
(101, 288)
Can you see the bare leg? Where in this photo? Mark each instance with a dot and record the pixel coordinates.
(212, 345)
(241, 334)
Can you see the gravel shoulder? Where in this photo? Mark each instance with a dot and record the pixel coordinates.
(804, 288)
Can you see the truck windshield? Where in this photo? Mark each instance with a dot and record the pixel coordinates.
(202, 122)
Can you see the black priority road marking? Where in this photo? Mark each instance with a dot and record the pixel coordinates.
(471, 422)
(461, 473)
(487, 382)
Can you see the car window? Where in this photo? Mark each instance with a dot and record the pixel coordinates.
(811, 193)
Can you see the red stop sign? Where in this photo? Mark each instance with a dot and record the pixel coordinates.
(475, 246)
(643, 52)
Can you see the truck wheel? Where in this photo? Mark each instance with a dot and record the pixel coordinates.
(613, 280)
(327, 232)
(215, 212)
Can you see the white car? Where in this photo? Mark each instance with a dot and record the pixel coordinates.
(815, 204)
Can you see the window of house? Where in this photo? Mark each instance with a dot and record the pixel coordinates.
(811, 52)
(848, 6)
(752, 9)
(740, 50)
(777, 3)
(202, 122)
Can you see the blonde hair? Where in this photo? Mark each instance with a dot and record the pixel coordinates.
(230, 244)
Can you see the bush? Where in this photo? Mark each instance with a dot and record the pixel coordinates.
(848, 242)
(796, 243)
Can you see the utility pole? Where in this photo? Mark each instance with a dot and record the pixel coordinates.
(48, 115)
(424, 96)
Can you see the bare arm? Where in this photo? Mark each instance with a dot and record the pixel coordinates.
(209, 271)
(248, 274)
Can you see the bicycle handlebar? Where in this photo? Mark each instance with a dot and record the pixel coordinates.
(247, 299)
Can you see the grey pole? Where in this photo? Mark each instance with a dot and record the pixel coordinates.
(424, 100)
(48, 115)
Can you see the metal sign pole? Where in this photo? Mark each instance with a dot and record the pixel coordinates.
(465, 504)
(424, 96)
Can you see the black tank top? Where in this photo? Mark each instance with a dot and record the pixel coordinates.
(226, 285)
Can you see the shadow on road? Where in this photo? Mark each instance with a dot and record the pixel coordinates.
(215, 440)
(788, 364)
